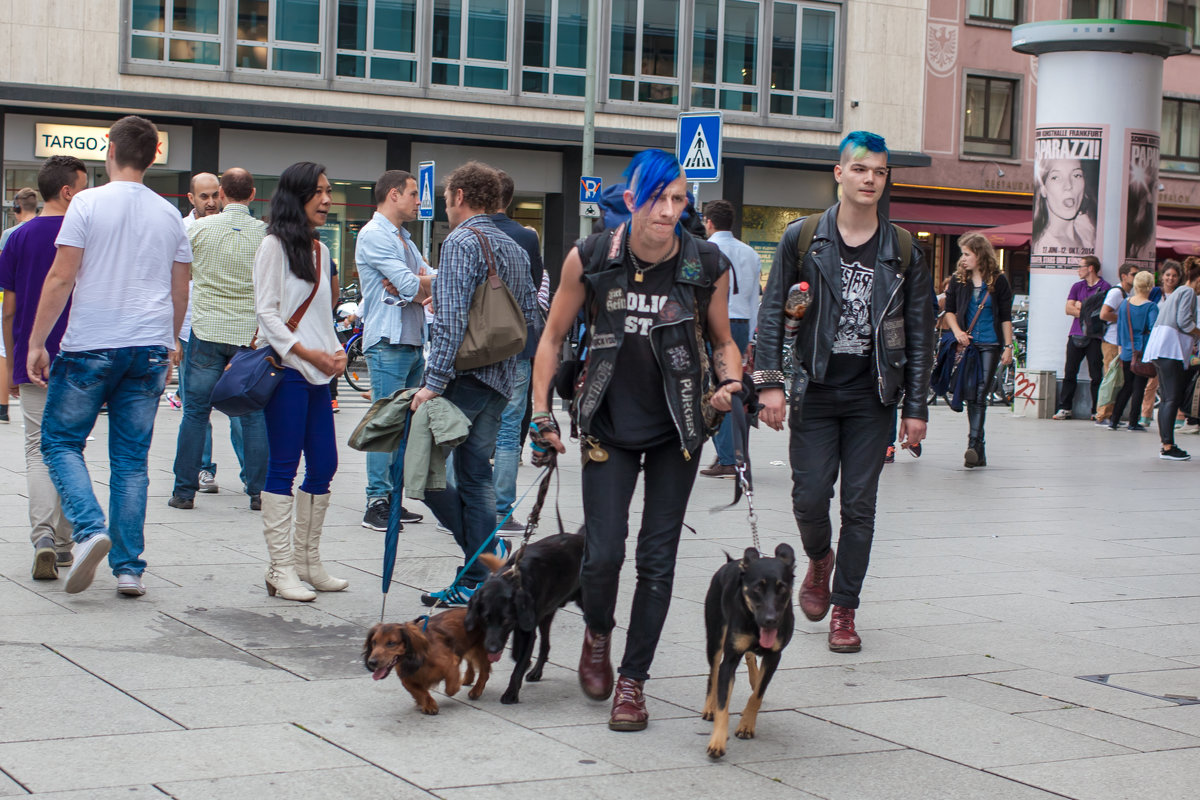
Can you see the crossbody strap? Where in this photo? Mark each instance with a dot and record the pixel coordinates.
(294, 322)
(978, 311)
(492, 276)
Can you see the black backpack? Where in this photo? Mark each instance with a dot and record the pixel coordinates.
(1089, 316)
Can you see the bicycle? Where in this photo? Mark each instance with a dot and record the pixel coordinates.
(357, 374)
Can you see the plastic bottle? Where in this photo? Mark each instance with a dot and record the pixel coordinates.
(798, 299)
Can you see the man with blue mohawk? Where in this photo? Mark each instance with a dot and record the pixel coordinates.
(863, 344)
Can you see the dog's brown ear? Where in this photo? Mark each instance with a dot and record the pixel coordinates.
(786, 554)
(750, 555)
(491, 561)
(414, 641)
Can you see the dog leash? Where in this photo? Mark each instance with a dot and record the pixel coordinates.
(744, 484)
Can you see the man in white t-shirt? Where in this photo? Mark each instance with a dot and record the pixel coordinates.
(124, 254)
(1108, 346)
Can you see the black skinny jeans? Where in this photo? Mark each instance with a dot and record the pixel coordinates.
(1075, 356)
(842, 430)
(1172, 382)
(607, 493)
(989, 361)
(1134, 388)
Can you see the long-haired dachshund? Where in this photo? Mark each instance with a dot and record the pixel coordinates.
(425, 654)
(520, 599)
(747, 611)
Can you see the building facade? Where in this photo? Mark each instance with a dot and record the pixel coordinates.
(979, 104)
(367, 85)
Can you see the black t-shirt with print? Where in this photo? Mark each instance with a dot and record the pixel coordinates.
(850, 358)
(634, 412)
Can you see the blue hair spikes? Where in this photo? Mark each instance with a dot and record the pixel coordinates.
(649, 173)
(861, 143)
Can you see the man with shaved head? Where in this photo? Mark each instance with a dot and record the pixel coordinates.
(223, 322)
(203, 194)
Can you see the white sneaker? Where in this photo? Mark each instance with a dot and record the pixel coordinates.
(208, 482)
(1185, 428)
(1062, 413)
(88, 555)
(130, 585)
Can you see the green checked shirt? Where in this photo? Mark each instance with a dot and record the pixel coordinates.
(223, 248)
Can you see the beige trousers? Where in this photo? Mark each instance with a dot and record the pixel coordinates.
(45, 509)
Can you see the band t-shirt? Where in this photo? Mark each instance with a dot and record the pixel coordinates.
(850, 357)
(634, 412)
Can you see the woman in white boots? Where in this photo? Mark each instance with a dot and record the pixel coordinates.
(293, 298)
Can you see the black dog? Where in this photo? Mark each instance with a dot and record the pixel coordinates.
(521, 597)
(747, 611)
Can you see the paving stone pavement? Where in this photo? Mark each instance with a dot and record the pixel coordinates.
(1031, 630)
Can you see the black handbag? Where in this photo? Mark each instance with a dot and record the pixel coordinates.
(252, 375)
(1136, 365)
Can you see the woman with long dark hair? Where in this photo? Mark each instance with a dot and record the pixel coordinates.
(292, 297)
(979, 312)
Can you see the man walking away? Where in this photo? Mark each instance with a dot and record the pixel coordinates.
(744, 289)
(469, 508)
(394, 280)
(24, 263)
(124, 252)
(864, 341)
(514, 418)
(223, 322)
(1080, 345)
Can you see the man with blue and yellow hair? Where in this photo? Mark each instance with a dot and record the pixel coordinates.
(864, 344)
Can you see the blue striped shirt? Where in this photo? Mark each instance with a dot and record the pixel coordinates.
(384, 251)
(461, 268)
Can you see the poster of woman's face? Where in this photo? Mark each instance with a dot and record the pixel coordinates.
(1066, 189)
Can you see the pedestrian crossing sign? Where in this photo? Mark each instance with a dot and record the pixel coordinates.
(698, 145)
(425, 187)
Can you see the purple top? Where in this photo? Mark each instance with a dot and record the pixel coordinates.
(23, 266)
(1081, 291)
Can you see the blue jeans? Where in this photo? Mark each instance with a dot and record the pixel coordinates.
(393, 367)
(131, 381)
(300, 420)
(508, 441)
(468, 508)
(723, 441)
(205, 364)
(206, 462)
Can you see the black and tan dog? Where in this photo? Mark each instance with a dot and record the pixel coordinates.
(520, 598)
(747, 611)
(424, 655)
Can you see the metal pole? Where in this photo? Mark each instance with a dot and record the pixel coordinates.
(427, 239)
(589, 101)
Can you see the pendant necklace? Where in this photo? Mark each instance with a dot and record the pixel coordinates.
(640, 271)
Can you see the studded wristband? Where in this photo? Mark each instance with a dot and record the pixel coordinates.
(766, 378)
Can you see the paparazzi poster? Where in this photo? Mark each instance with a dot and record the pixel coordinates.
(1066, 195)
(1140, 198)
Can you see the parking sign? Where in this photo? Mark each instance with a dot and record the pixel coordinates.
(698, 145)
(425, 185)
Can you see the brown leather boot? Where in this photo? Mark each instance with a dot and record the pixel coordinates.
(595, 668)
(842, 638)
(629, 706)
(814, 591)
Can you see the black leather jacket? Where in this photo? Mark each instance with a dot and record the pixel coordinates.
(901, 314)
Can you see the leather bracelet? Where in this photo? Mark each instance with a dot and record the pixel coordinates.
(766, 377)
(728, 381)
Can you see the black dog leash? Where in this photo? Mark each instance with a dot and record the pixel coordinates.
(744, 484)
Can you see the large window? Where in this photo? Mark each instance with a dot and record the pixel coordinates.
(282, 36)
(1002, 11)
(177, 31)
(988, 118)
(1185, 12)
(1180, 136)
(470, 43)
(644, 54)
(377, 39)
(554, 58)
(725, 55)
(803, 60)
(1095, 9)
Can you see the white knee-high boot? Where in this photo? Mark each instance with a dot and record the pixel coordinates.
(310, 520)
(277, 530)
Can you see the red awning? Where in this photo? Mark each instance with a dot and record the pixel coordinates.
(1177, 241)
(950, 219)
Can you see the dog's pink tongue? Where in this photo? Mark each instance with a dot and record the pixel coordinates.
(494, 657)
(381, 673)
(767, 637)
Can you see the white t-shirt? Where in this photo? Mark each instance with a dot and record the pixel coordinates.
(1113, 300)
(130, 238)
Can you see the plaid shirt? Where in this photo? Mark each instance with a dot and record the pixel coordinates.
(223, 248)
(461, 268)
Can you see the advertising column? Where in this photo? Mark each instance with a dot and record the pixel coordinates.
(1099, 109)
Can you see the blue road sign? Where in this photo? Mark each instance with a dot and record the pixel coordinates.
(589, 189)
(425, 186)
(698, 145)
